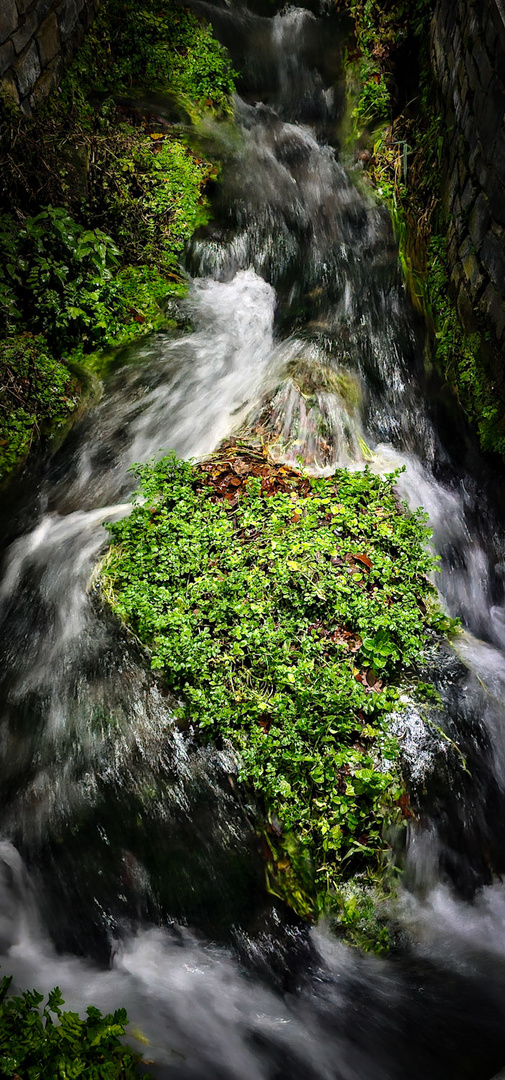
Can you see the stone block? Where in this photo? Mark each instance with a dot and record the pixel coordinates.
(6, 56)
(43, 8)
(495, 18)
(492, 306)
(470, 129)
(8, 18)
(27, 69)
(465, 310)
(57, 66)
(492, 254)
(483, 64)
(499, 62)
(439, 54)
(9, 86)
(48, 39)
(467, 196)
(491, 119)
(25, 32)
(456, 39)
(472, 73)
(88, 14)
(42, 88)
(473, 160)
(496, 194)
(464, 87)
(450, 190)
(482, 173)
(465, 249)
(67, 18)
(473, 272)
(490, 39)
(498, 156)
(480, 220)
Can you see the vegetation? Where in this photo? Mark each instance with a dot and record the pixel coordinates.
(284, 613)
(52, 1044)
(36, 393)
(462, 356)
(399, 132)
(382, 30)
(100, 197)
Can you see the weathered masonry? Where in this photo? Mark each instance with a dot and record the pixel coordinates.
(37, 40)
(469, 60)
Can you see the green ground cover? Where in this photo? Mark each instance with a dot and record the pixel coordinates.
(286, 618)
(99, 198)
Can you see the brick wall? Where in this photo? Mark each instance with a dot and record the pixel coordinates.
(469, 62)
(37, 40)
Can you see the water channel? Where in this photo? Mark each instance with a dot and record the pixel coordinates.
(129, 869)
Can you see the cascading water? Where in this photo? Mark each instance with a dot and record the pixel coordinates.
(123, 843)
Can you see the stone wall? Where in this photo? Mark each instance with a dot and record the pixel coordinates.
(37, 40)
(469, 61)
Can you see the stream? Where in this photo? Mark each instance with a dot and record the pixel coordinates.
(129, 869)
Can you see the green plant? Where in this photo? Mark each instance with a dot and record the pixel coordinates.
(99, 201)
(59, 274)
(404, 162)
(460, 355)
(155, 45)
(37, 394)
(147, 192)
(285, 627)
(50, 1044)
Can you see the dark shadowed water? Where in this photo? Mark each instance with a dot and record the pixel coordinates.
(129, 869)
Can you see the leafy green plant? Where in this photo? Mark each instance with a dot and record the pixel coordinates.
(49, 1044)
(155, 45)
(147, 191)
(59, 273)
(98, 200)
(286, 628)
(37, 394)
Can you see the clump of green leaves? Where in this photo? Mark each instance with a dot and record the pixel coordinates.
(98, 202)
(37, 393)
(285, 625)
(158, 46)
(56, 276)
(147, 192)
(381, 29)
(49, 1044)
(65, 281)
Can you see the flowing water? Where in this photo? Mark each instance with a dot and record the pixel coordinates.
(129, 870)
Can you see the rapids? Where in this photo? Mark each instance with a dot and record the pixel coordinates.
(129, 873)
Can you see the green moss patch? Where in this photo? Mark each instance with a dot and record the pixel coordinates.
(285, 613)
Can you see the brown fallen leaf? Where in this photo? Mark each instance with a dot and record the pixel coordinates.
(365, 560)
